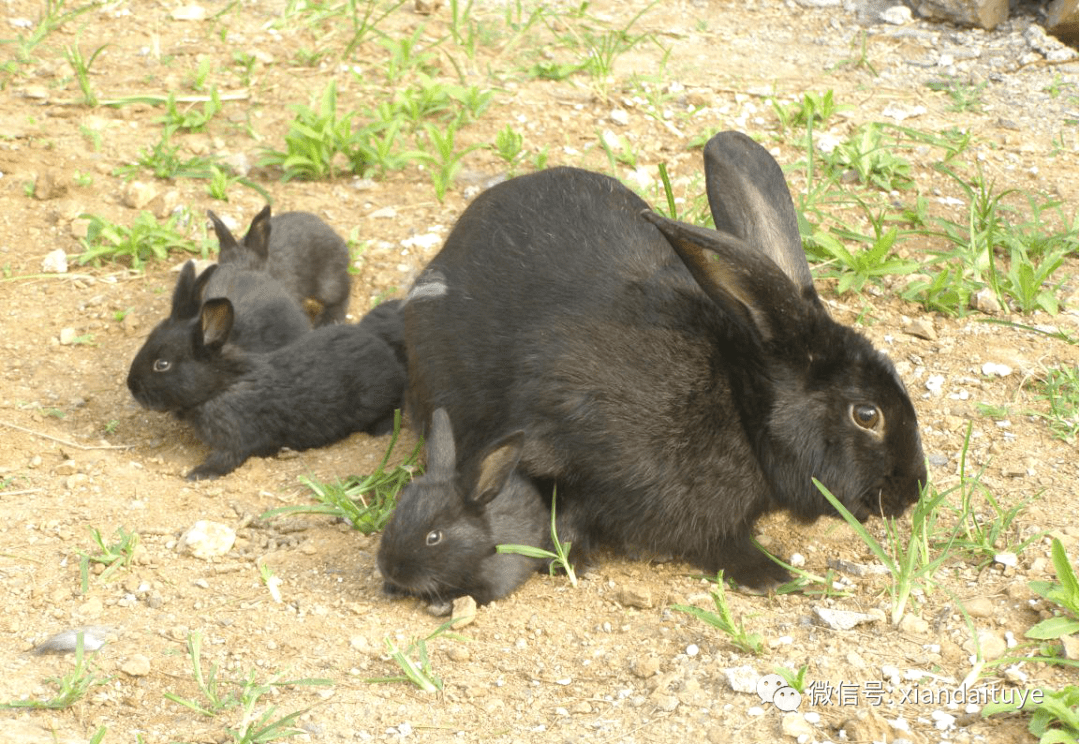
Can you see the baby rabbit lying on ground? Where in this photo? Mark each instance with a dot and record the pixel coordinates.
(323, 386)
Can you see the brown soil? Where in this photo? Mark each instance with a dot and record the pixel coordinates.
(609, 661)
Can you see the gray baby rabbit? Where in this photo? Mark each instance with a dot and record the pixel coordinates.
(440, 541)
(325, 385)
(306, 255)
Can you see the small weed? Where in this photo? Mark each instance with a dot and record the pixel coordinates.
(1054, 718)
(854, 269)
(1064, 593)
(145, 239)
(365, 16)
(559, 559)
(909, 563)
(795, 680)
(862, 61)
(813, 108)
(365, 503)
(1061, 390)
(315, 136)
(164, 161)
(724, 620)
(418, 670)
(92, 136)
(407, 54)
(81, 66)
(983, 532)
(963, 96)
(113, 557)
(73, 686)
(868, 152)
(508, 145)
(197, 81)
(244, 694)
(189, 118)
(83, 180)
(447, 158)
(110, 427)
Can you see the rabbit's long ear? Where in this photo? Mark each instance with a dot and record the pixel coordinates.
(497, 467)
(258, 235)
(186, 298)
(741, 280)
(441, 453)
(215, 323)
(227, 244)
(750, 199)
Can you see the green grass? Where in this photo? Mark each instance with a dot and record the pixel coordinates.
(144, 240)
(559, 559)
(73, 687)
(415, 662)
(365, 502)
(258, 722)
(112, 556)
(724, 620)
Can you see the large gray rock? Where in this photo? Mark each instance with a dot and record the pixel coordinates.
(982, 13)
(1062, 20)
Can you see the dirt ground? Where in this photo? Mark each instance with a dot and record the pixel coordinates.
(609, 661)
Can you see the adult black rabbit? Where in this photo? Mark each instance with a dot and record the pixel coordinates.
(299, 250)
(327, 384)
(674, 396)
(440, 541)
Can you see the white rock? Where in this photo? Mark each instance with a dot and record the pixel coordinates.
(897, 15)
(1007, 558)
(942, 720)
(136, 665)
(386, 213)
(934, 384)
(842, 619)
(798, 560)
(207, 539)
(189, 13)
(794, 725)
(68, 336)
(995, 369)
(426, 241)
(620, 117)
(55, 262)
(742, 679)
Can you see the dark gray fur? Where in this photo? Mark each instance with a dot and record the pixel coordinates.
(440, 542)
(327, 384)
(302, 252)
(675, 383)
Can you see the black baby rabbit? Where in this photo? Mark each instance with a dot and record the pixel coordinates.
(675, 383)
(299, 250)
(327, 384)
(440, 542)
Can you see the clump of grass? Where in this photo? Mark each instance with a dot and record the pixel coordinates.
(724, 620)
(416, 671)
(365, 502)
(113, 556)
(73, 686)
(144, 240)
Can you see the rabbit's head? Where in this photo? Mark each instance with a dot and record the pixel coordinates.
(440, 532)
(180, 365)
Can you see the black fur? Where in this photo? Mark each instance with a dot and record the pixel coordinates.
(306, 255)
(673, 396)
(327, 384)
(503, 507)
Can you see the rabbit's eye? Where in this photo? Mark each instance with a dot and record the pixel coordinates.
(866, 416)
(162, 365)
(434, 537)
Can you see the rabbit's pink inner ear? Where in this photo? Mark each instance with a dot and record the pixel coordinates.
(258, 235)
(216, 321)
(497, 467)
